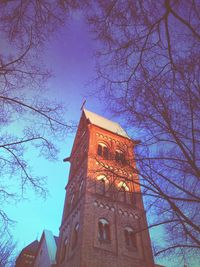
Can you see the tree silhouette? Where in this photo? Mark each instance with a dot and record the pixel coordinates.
(7, 250)
(148, 71)
(28, 118)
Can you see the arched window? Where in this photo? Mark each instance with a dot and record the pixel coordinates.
(130, 238)
(102, 150)
(80, 187)
(123, 191)
(75, 236)
(134, 199)
(102, 183)
(104, 230)
(119, 156)
(72, 201)
(122, 195)
(64, 249)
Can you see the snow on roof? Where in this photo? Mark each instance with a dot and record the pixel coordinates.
(105, 123)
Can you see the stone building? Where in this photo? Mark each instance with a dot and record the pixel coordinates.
(103, 219)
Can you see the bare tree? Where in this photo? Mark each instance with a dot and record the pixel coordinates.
(148, 70)
(7, 250)
(28, 118)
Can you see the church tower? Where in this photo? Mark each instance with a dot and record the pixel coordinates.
(103, 219)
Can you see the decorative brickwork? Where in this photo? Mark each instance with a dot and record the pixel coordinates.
(103, 213)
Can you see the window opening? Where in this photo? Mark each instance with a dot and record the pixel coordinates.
(104, 230)
(123, 191)
(130, 238)
(119, 156)
(122, 194)
(134, 199)
(80, 187)
(75, 236)
(72, 200)
(102, 150)
(123, 185)
(64, 249)
(102, 182)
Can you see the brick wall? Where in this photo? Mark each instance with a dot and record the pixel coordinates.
(91, 206)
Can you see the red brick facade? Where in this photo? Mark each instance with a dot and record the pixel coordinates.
(103, 212)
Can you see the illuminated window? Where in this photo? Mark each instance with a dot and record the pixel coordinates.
(119, 156)
(130, 238)
(102, 183)
(104, 230)
(123, 191)
(102, 150)
(75, 236)
(123, 185)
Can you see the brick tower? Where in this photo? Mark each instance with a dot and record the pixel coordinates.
(103, 212)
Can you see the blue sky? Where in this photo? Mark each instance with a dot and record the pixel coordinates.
(69, 54)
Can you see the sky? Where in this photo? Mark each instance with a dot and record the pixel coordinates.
(69, 54)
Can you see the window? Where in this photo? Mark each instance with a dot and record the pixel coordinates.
(134, 199)
(104, 230)
(102, 150)
(130, 238)
(122, 195)
(119, 156)
(123, 191)
(102, 183)
(112, 192)
(71, 201)
(80, 187)
(75, 236)
(64, 249)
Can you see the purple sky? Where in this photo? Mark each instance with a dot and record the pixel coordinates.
(69, 54)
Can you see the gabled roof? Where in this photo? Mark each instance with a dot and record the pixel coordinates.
(31, 248)
(51, 245)
(105, 123)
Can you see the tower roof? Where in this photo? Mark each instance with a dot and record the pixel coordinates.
(51, 245)
(104, 123)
